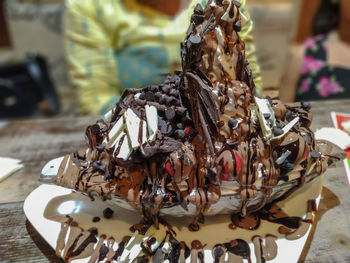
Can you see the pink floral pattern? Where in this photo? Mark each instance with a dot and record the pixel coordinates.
(319, 79)
(327, 87)
(310, 43)
(311, 65)
(305, 85)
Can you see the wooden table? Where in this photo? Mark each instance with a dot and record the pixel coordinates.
(38, 141)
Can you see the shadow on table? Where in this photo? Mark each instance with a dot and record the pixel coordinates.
(43, 246)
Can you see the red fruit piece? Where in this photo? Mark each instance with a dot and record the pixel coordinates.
(224, 175)
(169, 168)
(238, 163)
(188, 130)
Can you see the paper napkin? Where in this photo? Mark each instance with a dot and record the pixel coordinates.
(8, 166)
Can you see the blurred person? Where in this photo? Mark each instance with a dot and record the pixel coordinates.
(116, 44)
(320, 68)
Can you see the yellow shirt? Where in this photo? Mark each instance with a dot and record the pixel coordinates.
(116, 44)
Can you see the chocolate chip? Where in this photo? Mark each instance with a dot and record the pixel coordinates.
(149, 96)
(277, 131)
(108, 213)
(289, 115)
(100, 147)
(180, 134)
(179, 126)
(96, 219)
(198, 9)
(315, 154)
(168, 99)
(174, 92)
(95, 129)
(142, 96)
(170, 113)
(153, 88)
(177, 79)
(267, 115)
(280, 125)
(175, 102)
(238, 26)
(166, 89)
(164, 126)
(306, 105)
(233, 124)
(161, 100)
(195, 39)
(158, 94)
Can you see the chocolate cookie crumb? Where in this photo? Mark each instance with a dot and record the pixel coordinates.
(96, 219)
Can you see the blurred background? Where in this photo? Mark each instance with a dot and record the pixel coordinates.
(32, 33)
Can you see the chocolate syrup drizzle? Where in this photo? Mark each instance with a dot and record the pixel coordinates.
(210, 132)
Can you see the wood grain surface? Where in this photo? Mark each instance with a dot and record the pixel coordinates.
(38, 141)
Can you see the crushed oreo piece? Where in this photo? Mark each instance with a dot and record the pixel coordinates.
(108, 213)
(195, 39)
(233, 124)
(315, 154)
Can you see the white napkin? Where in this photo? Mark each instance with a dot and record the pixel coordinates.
(336, 136)
(8, 166)
(346, 126)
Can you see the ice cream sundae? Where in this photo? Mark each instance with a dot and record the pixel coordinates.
(201, 143)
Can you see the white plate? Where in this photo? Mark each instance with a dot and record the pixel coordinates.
(55, 201)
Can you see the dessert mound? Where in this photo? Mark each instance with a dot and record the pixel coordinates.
(201, 142)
